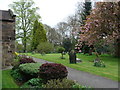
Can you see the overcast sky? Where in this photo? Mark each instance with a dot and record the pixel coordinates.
(51, 11)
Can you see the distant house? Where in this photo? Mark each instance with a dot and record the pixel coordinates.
(7, 37)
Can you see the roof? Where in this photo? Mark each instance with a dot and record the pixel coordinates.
(7, 15)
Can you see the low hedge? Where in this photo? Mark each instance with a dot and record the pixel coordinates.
(30, 70)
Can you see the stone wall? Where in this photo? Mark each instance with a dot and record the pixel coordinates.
(7, 22)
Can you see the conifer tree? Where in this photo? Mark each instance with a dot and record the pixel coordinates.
(39, 34)
(86, 10)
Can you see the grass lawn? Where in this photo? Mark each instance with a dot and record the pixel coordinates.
(110, 71)
(7, 80)
(0, 79)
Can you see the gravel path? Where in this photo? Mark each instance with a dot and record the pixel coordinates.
(87, 79)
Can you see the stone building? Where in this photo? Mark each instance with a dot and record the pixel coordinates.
(7, 37)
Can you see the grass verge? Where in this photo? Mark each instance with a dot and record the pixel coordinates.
(7, 80)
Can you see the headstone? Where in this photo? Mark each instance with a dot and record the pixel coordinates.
(72, 56)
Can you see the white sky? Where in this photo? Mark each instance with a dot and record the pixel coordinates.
(51, 11)
(54, 11)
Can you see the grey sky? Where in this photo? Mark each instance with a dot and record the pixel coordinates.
(51, 11)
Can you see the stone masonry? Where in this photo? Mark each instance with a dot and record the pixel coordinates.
(7, 37)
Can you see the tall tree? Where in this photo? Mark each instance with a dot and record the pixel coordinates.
(86, 8)
(38, 35)
(103, 23)
(26, 15)
(78, 19)
(73, 26)
(61, 28)
(52, 35)
(82, 11)
(68, 45)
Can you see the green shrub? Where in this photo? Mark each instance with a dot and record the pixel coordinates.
(60, 49)
(76, 85)
(49, 71)
(33, 52)
(15, 64)
(17, 75)
(58, 83)
(45, 47)
(16, 61)
(33, 83)
(30, 70)
(99, 64)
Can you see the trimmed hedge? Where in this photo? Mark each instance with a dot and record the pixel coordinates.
(49, 71)
(30, 70)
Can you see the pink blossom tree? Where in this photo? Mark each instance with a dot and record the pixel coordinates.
(103, 23)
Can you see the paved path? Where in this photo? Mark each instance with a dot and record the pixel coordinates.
(87, 79)
(9, 67)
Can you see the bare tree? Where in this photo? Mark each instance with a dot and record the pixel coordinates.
(52, 35)
(62, 29)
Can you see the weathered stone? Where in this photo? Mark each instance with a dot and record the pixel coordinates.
(7, 37)
(8, 26)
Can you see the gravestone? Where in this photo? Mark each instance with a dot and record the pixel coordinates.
(7, 37)
(72, 56)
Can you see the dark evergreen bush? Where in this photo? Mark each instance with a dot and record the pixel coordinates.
(52, 71)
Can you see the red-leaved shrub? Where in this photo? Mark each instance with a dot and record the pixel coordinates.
(24, 60)
(49, 71)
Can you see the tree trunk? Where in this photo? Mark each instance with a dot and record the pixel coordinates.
(62, 55)
(90, 51)
(96, 53)
(24, 42)
(24, 48)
